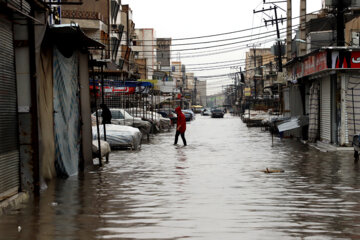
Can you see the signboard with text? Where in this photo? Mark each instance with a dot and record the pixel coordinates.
(247, 92)
(325, 60)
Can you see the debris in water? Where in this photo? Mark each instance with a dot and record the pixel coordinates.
(273, 170)
(19, 228)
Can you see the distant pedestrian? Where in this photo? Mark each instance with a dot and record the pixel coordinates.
(106, 114)
(180, 126)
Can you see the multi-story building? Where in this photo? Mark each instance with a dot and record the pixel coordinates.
(109, 22)
(201, 93)
(323, 83)
(176, 71)
(93, 18)
(256, 61)
(116, 32)
(144, 45)
(189, 81)
(163, 53)
(127, 62)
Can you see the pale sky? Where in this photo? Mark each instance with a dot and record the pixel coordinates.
(193, 18)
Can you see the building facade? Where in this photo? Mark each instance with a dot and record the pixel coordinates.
(144, 46)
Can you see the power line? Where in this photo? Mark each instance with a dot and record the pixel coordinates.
(227, 33)
(214, 46)
(207, 42)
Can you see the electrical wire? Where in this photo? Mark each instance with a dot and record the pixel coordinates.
(232, 32)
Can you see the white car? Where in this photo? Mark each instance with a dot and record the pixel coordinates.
(160, 123)
(119, 136)
(122, 117)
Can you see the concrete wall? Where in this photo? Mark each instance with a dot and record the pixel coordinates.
(201, 93)
(83, 11)
(86, 128)
(22, 66)
(163, 55)
(146, 42)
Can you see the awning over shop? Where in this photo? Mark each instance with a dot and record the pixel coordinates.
(322, 60)
(70, 36)
(153, 82)
(122, 83)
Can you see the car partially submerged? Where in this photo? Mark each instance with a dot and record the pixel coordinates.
(119, 136)
(122, 117)
(189, 114)
(217, 113)
(206, 112)
(158, 122)
(168, 113)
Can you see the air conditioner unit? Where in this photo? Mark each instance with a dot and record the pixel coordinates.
(355, 38)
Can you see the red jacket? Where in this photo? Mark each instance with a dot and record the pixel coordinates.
(181, 121)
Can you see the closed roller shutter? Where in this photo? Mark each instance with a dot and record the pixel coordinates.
(325, 110)
(286, 101)
(9, 151)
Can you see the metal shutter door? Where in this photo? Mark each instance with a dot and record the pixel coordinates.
(9, 151)
(325, 110)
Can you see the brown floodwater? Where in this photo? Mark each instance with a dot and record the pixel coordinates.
(214, 188)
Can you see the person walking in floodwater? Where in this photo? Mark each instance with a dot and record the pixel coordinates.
(106, 114)
(180, 126)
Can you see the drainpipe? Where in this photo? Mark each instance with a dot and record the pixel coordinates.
(109, 27)
(34, 109)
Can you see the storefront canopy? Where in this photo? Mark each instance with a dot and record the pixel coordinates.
(70, 36)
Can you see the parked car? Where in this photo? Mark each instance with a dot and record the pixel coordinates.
(168, 113)
(158, 122)
(206, 112)
(122, 117)
(217, 113)
(119, 136)
(188, 111)
(188, 115)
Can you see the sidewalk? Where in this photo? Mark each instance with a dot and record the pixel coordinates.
(327, 147)
(13, 202)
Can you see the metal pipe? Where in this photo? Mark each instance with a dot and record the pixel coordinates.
(102, 96)
(34, 111)
(96, 111)
(353, 107)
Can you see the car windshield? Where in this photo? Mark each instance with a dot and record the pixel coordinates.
(217, 110)
(116, 114)
(120, 113)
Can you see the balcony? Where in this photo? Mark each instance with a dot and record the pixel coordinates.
(85, 19)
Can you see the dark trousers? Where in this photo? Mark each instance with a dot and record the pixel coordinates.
(182, 136)
(356, 156)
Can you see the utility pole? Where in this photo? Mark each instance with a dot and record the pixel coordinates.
(340, 23)
(302, 47)
(255, 80)
(288, 30)
(276, 20)
(278, 41)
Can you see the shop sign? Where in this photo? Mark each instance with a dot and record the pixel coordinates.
(247, 92)
(315, 63)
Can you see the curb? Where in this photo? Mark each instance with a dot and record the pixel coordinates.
(13, 202)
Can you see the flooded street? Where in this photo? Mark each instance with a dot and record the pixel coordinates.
(214, 188)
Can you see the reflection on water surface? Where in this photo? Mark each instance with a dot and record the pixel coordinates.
(215, 188)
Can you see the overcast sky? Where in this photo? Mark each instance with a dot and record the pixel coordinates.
(193, 18)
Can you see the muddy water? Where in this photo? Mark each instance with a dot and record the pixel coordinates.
(212, 189)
